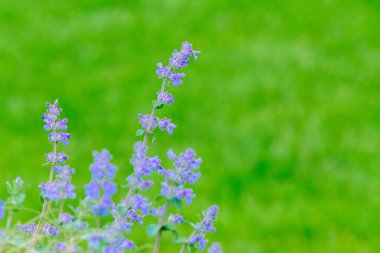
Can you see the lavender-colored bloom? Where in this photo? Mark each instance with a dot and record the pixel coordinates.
(165, 98)
(101, 188)
(134, 217)
(81, 224)
(60, 246)
(145, 119)
(179, 60)
(162, 71)
(211, 212)
(54, 124)
(143, 167)
(50, 190)
(59, 157)
(215, 248)
(198, 239)
(165, 124)
(65, 218)
(93, 189)
(140, 203)
(206, 225)
(61, 188)
(176, 78)
(29, 228)
(175, 219)
(185, 194)
(48, 230)
(2, 209)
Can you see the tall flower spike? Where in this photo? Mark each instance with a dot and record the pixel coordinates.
(101, 188)
(201, 228)
(179, 60)
(56, 125)
(185, 166)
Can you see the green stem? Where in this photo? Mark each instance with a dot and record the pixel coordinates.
(9, 219)
(161, 221)
(149, 128)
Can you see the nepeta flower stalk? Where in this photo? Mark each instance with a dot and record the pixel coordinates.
(61, 188)
(101, 188)
(178, 61)
(197, 238)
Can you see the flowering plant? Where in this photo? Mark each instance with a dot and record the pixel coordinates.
(99, 223)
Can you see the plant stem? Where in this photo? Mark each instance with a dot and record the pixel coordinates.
(147, 132)
(161, 221)
(45, 200)
(185, 244)
(9, 219)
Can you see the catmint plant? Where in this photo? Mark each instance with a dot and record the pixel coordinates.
(99, 222)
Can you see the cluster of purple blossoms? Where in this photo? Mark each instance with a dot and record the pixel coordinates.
(215, 248)
(143, 166)
(55, 125)
(175, 219)
(2, 209)
(112, 239)
(163, 124)
(165, 98)
(61, 188)
(101, 188)
(47, 229)
(206, 225)
(63, 247)
(185, 164)
(179, 60)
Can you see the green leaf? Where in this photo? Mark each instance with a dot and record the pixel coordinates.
(192, 248)
(176, 202)
(42, 198)
(157, 105)
(180, 240)
(190, 223)
(20, 199)
(152, 230)
(9, 187)
(174, 232)
(140, 132)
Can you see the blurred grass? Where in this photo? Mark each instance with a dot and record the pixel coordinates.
(283, 106)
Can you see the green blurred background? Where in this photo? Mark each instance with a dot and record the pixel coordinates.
(283, 106)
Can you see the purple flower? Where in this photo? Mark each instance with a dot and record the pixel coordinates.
(165, 124)
(165, 98)
(29, 228)
(56, 158)
(140, 203)
(185, 194)
(215, 248)
(93, 189)
(175, 219)
(54, 124)
(61, 188)
(49, 230)
(198, 239)
(101, 188)
(179, 60)
(60, 246)
(143, 167)
(65, 218)
(50, 190)
(2, 209)
(176, 78)
(144, 121)
(162, 72)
